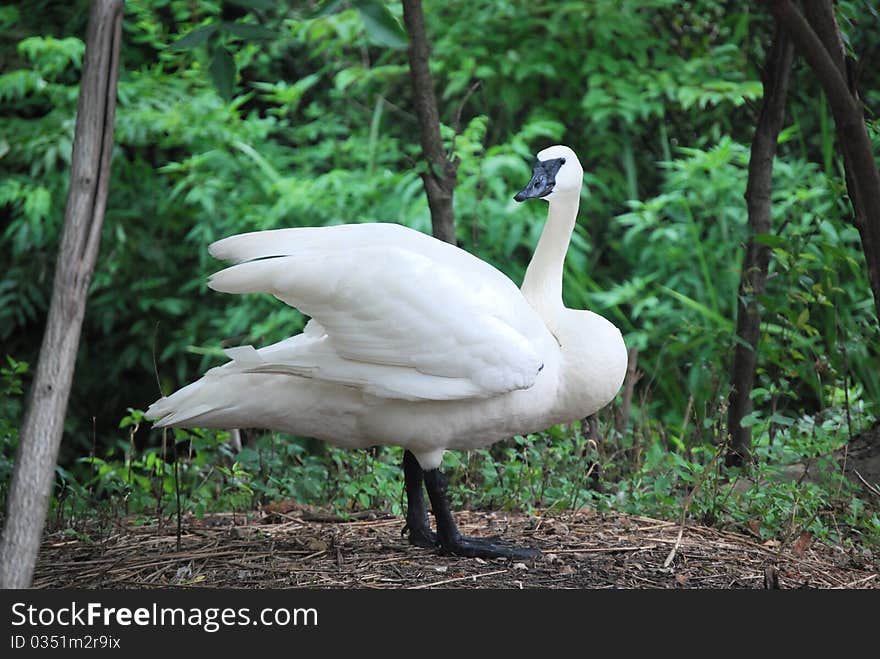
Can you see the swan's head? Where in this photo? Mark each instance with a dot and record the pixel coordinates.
(557, 172)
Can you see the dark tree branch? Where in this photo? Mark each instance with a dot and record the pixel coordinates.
(633, 375)
(439, 179)
(41, 431)
(757, 258)
(820, 16)
(818, 42)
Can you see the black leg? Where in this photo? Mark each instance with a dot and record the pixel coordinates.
(451, 541)
(420, 533)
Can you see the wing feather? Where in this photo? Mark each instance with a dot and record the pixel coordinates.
(403, 315)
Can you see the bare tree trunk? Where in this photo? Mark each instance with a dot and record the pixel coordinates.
(817, 39)
(757, 258)
(439, 179)
(41, 431)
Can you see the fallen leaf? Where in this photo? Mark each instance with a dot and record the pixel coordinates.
(317, 544)
(283, 506)
(559, 528)
(803, 543)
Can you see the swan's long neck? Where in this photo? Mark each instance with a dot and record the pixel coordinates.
(542, 286)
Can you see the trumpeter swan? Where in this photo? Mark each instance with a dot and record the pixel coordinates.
(412, 342)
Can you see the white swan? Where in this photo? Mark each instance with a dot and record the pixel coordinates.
(412, 342)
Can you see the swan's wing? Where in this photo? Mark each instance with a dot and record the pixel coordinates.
(399, 316)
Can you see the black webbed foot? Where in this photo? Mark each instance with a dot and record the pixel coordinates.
(471, 547)
(421, 537)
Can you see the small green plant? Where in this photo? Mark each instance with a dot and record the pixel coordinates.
(11, 409)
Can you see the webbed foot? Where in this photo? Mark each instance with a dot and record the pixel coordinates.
(471, 547)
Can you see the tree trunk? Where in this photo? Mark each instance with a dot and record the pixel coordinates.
(439, 179)
(820, 16)
(757, 258)
(40, 434)
(817, 39)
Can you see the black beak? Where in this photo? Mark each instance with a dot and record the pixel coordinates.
(543, 179)
(537, 187)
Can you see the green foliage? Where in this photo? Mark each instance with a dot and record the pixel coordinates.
(684, 285)
(202, 468)
(11, 391)
(249, 115)
(381, 26)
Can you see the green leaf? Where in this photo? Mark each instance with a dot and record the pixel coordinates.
(222, 70)
(781, 420)
(249, 31)
(195, 37)
(382, 27)
(720, 321)
(325, 9)
(265, 5)
(270, 172)
(770, 240)
(750, 419)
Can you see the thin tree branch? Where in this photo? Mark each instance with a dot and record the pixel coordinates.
(439, 179)
(820, 16)
(757, 259)
(633, 375)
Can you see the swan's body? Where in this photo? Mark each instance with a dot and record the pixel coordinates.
(423, 346)
(412, 342)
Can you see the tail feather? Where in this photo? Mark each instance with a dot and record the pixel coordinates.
(218, 394)
(180, 406)
(182, 416)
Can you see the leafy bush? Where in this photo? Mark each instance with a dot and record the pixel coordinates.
(687, 243)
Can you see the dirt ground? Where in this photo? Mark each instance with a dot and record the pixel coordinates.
(861, 459)
(288, 546)
(291, 546)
